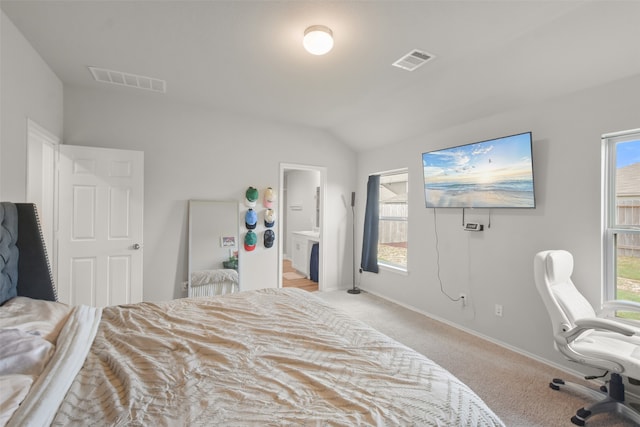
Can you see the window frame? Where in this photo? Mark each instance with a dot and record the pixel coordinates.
(403, 269)
(609, 226)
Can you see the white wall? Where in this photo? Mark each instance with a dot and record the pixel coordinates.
(495, 266)
(192, 153)
(29, 90)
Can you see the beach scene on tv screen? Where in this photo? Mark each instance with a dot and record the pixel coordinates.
(489, 174)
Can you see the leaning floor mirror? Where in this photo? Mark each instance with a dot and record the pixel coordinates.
(213, 248)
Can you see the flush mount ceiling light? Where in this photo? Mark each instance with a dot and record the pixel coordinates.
(318, 39)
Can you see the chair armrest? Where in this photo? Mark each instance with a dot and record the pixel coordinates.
(605, 325)
(586, 324)
(615, 305)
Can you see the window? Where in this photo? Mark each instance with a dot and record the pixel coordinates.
(621, 210)
(392, 225)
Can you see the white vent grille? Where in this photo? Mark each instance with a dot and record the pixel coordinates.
(412, 60)
(127, 79)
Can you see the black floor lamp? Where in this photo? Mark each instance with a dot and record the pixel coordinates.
(354, 289)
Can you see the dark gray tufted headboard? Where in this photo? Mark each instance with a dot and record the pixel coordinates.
(8, 251)
(23, 255)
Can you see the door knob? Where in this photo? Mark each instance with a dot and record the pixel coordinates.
(136, 246)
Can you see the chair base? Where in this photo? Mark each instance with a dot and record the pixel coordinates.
(611, 400)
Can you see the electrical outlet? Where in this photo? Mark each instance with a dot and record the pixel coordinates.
(499, 310)
(463, 298)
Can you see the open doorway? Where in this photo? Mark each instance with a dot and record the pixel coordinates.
(301, 207)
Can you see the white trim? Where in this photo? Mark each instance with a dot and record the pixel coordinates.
(391, 171)
(323, 186)
(42, 149)
(482, 336)
(394, 269)
(562, 368)
(623, 133)
(608, 210)
(35, 127)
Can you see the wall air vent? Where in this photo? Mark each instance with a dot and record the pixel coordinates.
(127, 79)
(413, 60)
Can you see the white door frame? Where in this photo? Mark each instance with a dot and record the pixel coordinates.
(281, 209)
(42, 184)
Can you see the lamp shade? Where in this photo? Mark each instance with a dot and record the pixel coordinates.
(318, 39)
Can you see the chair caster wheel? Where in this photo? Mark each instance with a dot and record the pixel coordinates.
(583, 413)
(554, 383)
(577, 421)
(580, 417)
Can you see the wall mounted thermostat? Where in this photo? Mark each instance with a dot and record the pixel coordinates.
(473, 226)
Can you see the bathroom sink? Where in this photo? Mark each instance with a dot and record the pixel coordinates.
(313, 234)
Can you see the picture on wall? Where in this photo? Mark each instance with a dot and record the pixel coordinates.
(229, 241)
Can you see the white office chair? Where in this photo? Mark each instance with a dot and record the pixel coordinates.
(587, 337)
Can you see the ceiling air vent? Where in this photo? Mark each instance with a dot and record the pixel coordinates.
(127, 79)
(413, 60)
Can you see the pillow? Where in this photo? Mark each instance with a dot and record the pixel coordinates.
(45, 318)
(23, 353)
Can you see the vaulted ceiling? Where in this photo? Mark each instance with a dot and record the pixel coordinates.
(246, 57)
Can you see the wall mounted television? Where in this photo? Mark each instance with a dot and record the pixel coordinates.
(497, 173)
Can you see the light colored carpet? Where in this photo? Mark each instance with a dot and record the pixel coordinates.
(514, 386)
(292, 275)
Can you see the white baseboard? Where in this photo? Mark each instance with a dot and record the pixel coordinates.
(576, 374)
(484, 337)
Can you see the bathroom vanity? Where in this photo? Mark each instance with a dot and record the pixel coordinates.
(303, 242)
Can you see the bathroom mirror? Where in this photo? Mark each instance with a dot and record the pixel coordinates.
(213, 248)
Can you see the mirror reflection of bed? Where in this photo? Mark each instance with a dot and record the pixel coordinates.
(213, 248)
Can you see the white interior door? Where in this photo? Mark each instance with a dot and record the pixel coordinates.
(100, 226)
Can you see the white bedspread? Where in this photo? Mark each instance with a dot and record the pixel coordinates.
(74, 341)
(268, 357)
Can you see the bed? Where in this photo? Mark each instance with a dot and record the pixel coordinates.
(262, 357)
(213, 282)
